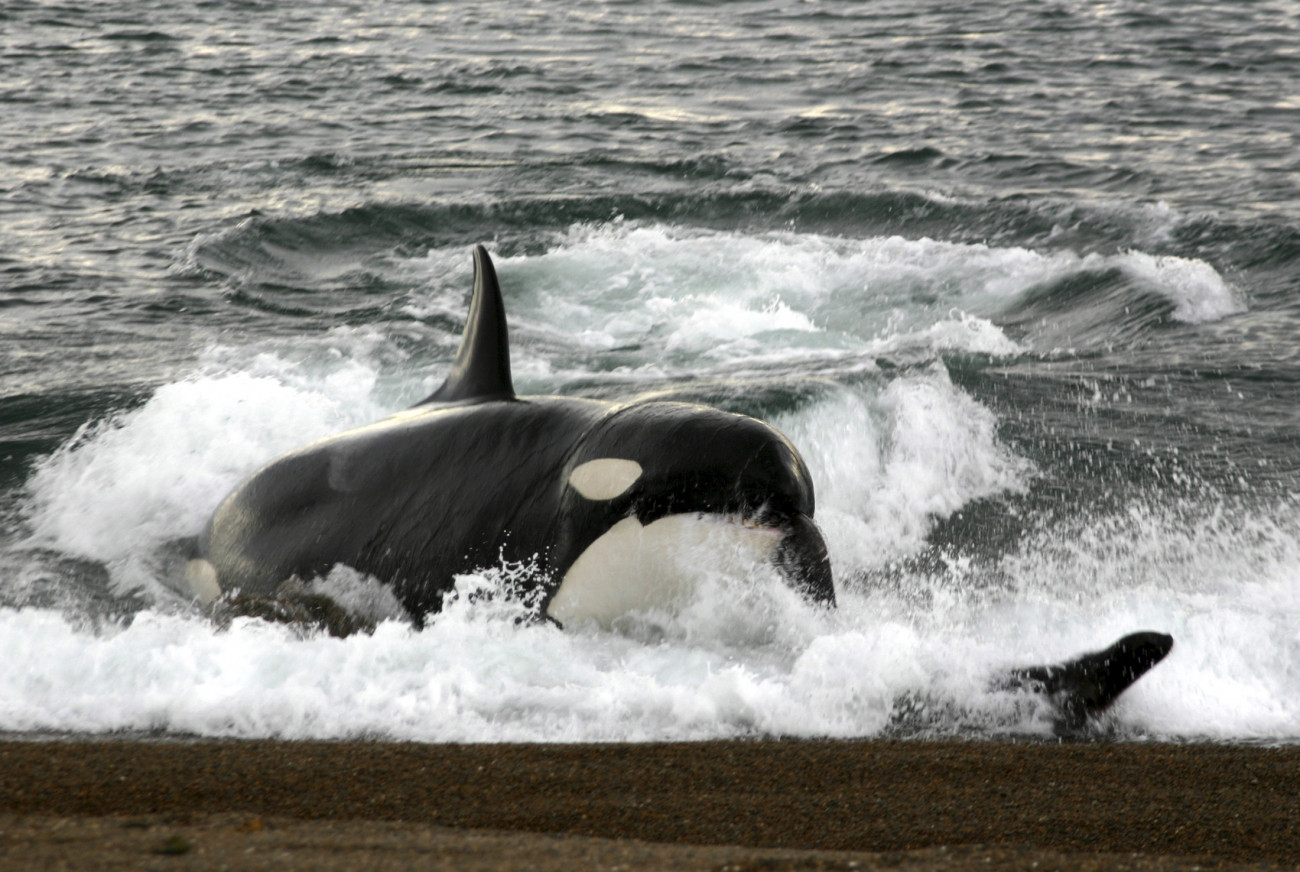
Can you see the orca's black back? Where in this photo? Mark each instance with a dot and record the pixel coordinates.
(413, 500)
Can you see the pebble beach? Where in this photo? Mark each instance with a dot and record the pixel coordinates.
(708, 805)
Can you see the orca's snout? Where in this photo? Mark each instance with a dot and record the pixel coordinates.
(802, 559)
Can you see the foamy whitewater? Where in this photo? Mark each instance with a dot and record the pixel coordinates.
(839, 342)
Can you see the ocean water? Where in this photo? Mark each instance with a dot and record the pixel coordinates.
(1022, 282)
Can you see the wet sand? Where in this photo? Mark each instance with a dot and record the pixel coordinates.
(744, 805)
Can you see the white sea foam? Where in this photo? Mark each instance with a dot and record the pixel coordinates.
(157, 471)
(759, 664)
(688, 297)
(1199, 294)
(887, 465)
(123, 487)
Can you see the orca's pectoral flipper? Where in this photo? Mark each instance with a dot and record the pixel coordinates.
(481, 370)
(1086, 686)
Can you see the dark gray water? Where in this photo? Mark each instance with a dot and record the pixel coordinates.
(1022, 280)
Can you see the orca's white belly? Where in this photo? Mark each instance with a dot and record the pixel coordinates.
(634, 568)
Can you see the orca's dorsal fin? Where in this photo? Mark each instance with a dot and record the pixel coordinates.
(481, 370)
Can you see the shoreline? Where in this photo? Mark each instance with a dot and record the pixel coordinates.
(1066, 805)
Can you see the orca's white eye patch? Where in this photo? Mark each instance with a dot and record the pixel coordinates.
(605, 478)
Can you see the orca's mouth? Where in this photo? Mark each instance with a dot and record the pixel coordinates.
(803, 560)
(800, 556)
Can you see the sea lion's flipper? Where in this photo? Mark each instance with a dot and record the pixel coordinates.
(294, 604)
(1087, 686)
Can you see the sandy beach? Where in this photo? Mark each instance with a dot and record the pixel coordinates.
(712, 805)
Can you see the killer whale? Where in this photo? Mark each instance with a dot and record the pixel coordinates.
(600, 496)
